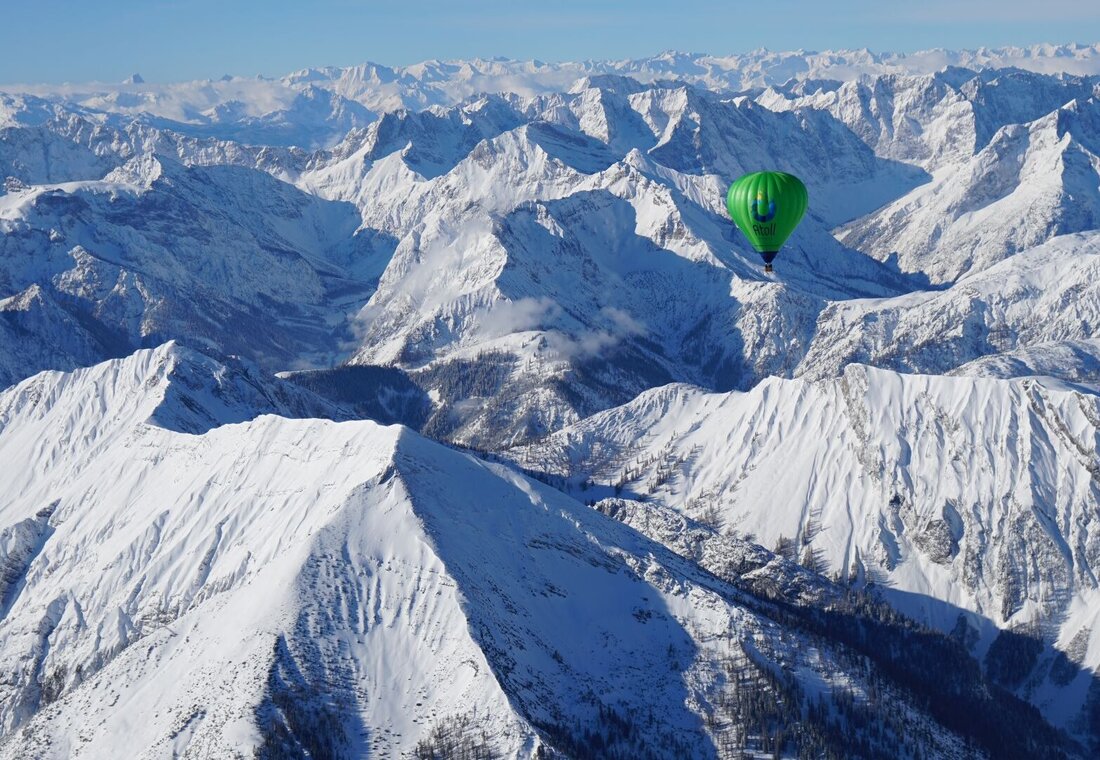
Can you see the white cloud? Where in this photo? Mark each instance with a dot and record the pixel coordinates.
(508, 317)
(623, 322)
(589, 343)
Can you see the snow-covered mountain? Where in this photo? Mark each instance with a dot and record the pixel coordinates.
(973, 502)
(223, 256)
(1074, 360)
(445, 82)
(1039, 298)
(427, 182)
(1031, 182)
(620, 183)
(1014, 158)
(480, 283)
(215, 296)
(457, 209)
(937, 119)
(313, 107)
(341, 589)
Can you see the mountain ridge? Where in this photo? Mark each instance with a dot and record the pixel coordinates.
(380, 567)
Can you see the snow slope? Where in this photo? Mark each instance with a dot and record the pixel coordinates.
(1043, 295)
(965, 498)
(936, 119)
(1074, 360)
(343, 588)
(221, 256)
(217, 585)
(1032, 182)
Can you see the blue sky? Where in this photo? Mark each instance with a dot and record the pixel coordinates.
(166, 40)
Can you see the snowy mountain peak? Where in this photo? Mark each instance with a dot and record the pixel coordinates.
(179, 388)
(142, 170)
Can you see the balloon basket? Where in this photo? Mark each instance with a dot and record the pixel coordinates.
(768, 268)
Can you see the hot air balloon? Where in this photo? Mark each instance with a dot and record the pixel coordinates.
(767, 206)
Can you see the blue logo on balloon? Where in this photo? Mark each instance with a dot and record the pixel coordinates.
(763, 217)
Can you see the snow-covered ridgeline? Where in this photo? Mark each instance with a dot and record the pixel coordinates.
(267, 101)
(956, 494)
(348, 588)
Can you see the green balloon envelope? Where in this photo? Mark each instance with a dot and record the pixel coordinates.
(767, 206)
